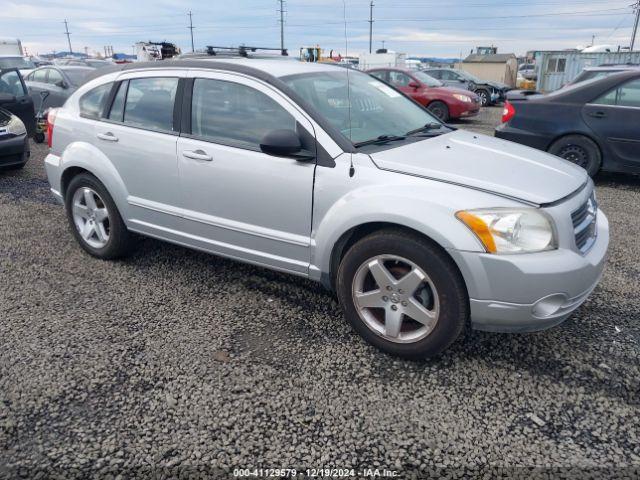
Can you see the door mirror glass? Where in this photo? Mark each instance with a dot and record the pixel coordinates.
(281, 142)
(61, 84)
(414, 85)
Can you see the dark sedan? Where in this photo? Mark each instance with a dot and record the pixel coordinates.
(594, 124)
(59, 81)
(14, 141)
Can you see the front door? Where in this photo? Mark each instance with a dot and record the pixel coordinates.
(14, 97)
(615, 119)
(238, 201)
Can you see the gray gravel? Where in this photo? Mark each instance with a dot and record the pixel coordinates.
(178, 364)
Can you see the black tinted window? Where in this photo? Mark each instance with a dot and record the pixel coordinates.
(92, 102)
(235, 114)
(150, 103)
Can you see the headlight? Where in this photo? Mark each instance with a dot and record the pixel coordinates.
(510, 231)
(462, 98)
(15, 126)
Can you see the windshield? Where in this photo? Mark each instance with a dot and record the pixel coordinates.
(76, 76)
(16, 62)
(376, 109)
(468, 76)
(428, 80)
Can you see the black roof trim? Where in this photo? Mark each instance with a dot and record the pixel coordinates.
(343, 142)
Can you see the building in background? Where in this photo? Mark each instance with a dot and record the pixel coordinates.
(495, 67)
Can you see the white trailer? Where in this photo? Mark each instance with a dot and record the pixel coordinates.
(10, 47)
(379, 60)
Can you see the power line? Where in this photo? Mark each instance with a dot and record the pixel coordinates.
(191, 29)
(68, 34)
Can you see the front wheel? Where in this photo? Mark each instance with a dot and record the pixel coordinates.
(440, 110)
(94, 219)
(485, 97)
(402, 294)
(579, 150)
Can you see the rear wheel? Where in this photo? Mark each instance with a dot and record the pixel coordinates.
(440, 110)
(95, 220)
(402, 294)
(579, 150)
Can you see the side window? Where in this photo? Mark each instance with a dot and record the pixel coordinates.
(92, 102)
(149, 103)
(54, 76)
(381, 74)
(235, 114)
(447, 75)
(399, 79)
(10, 83)
(117, 107)
(435, 74)
(39, 75)
(627, 95)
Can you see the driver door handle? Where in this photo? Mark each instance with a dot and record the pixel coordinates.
(598, 114)
(109, 137)
(197, 155)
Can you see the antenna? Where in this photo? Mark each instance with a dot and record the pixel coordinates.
(352, 170)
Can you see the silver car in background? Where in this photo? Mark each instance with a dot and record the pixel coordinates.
(331, 175)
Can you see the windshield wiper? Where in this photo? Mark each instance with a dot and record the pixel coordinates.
(380, 139)
(426, 128)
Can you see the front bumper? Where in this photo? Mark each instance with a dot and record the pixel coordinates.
(531, 292)
(14, 150)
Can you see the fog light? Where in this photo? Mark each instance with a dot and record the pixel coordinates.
(547, 306)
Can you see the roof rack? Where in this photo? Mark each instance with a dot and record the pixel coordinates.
(242, 50)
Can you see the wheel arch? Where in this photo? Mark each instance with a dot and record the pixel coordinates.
(358, 232)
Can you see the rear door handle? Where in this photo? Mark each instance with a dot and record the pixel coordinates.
(597, 114)
(197, 155)
(109, 137)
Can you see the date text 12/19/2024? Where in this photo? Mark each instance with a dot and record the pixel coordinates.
(314, 473)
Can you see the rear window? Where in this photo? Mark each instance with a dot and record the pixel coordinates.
(92, 102)
(77, 76)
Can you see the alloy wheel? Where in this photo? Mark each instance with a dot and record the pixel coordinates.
(91, 217)
(396, 298)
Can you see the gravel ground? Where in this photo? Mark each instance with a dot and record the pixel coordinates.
(177, 364)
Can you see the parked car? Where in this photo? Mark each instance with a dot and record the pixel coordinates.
(15, 98)
(489, 92)
(603, 71)
(14, 141)
(594, 124)
(330, 174)
(59, 81)
(528, 71)
(444, 103)
(83, 62)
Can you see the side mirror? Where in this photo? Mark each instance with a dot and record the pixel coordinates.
(61, 84)
(7, 98)
(414, 85)
(284, 143)
(462, 80)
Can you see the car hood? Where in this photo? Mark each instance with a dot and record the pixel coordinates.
(488, 164)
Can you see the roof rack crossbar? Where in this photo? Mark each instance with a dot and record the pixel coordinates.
(243, 50)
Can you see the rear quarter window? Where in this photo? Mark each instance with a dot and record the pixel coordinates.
(92, 102)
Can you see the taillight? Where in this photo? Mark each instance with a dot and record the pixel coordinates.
(508, 112)
(51, 118)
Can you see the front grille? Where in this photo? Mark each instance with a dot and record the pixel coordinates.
(584, 224)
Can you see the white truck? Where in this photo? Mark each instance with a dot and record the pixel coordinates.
(11, 56)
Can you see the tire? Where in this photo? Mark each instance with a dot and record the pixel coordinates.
(440, 110)
(579, 150)
(110, 238)
(485, 97)
(39, 137)
(441, 293)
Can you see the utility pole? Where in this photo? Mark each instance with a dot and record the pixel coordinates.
(593, 40)
(68, 34)
(634, 32)
(371, 26)
(191, 28)
(281, 26)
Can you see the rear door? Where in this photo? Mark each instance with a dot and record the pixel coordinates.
(15, 98)
(615, 119)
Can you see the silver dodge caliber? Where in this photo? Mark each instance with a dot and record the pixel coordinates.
(330, 174)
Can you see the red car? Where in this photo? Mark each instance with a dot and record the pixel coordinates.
(443, 102)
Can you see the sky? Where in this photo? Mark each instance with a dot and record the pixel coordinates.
(435, 28)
